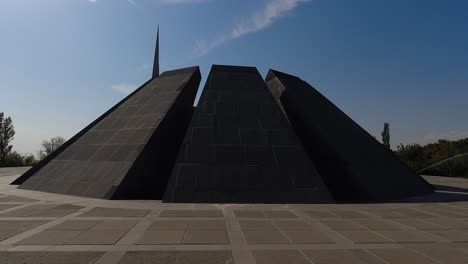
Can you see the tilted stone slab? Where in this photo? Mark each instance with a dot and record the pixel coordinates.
(240, 148)
(128, 153)
(354, 165)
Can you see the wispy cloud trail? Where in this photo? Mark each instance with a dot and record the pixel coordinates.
(259, 20)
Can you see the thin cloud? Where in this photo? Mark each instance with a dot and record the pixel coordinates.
(124, 88)
(92, 1)
(259, 20)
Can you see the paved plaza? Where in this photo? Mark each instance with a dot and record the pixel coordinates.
(37, 227)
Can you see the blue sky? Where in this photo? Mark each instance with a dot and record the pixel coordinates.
(64, 62)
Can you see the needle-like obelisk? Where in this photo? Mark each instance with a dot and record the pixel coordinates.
(156, 57)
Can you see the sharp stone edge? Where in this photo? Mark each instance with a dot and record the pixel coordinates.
(354, 165)
(128, 154)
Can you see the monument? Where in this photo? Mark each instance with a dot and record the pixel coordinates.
(247, 141)
(240, 148)
(353, 164)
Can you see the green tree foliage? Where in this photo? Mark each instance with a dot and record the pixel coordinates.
(419, 157)
(49, 146)
(456, 166)
(386, 135)
(14, 159)
(7, 131)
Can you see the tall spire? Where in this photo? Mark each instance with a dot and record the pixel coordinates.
(156, 57)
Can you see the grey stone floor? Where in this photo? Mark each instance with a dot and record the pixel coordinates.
(40, 227)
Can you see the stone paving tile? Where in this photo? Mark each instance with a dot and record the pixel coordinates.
(451, 235)
(408, 236)
(388, 213)
(161, 237)
(401, 256)
(279, 214)
(308, 237)
(178, 257)
(279, 257)
(265, 237)
(249, 214)
(410, 212)
(348, 214)
(292, 225)
(191, 213)
(16, 199)
(15, 257)
(47, 257)
(257, 225)
(39, 210)
(149, 257)
(400, 213)
(375, 224)
(341, 256)
(338, 224)
(8, 206)
(206, 237)
(75, 225)
(449, 223)
(70, 257)
(9, 233)
(97, 237)
(363, 236)
(264, 214)
(22, 225)
(114, 212)
(67, 207)
(443, 253)
(444, 211)
(321, 214)
(417, 223)
(50, 237)
(168, 225)
(206, 225)
(205, 257)
(115, 225)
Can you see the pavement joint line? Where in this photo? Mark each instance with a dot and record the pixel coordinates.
(36, 218)
(379, 258)
(132, 236)
(305, 256)
(236, 238)
(38, 229)
(106, 218)
(336, 236)
(282, 232)
(20, 207)
(423, 254)
(201, 247)
(110, 257)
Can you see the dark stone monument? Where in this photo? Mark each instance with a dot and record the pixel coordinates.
(353, 164)
(240, 148)
(130, 150)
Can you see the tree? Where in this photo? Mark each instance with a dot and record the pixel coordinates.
(14, 159)
(7, 131)
(29, 160)
(386, 135)
(49, 146)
